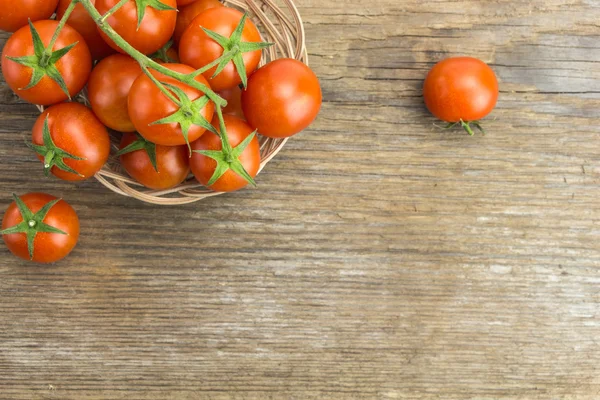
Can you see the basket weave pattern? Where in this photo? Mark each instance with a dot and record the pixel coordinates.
(280, 25)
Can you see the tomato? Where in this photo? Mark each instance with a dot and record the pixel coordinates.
(147, 104)
(85, 25)
(52, 233)
(74, 129)
(197, 49)
(167, 54)
(155, 30)
(460, 88)
(15, 13)
(181, 3)
(283, 98)
(172, 163)
(188, 13)
(108, 88)
(233, 97)
(75, 66)
(204, 167)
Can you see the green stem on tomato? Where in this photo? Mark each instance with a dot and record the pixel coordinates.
(144, 61)
(161, 86)
(113, 10)
(61, 25)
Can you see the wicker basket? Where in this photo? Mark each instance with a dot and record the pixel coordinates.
(279, 25)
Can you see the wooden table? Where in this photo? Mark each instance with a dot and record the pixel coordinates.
(379, 258)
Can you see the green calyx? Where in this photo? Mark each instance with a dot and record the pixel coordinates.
(189, 113)
(43, 61)
(53, 155)
(156, 4)
(233, 48)
(228, 158)
(466, 125)
(32, 223)
(162, 54)
(141, 144)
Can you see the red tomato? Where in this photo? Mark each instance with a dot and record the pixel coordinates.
(147, 104)
(460, 88)
(47, 247)
(108, 88)
(15, 13)
(74, 129)
(154, 32)
(283, 98)
(203, 167)
(188, 13)
(85, 25)
(233, 97)
(172, 163)
(197, 49)
(75, 66)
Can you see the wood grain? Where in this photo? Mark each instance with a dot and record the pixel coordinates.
(379, 259)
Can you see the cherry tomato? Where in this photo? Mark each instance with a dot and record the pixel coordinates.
(460, 88)
(181, 3)
(74, 129)
(85, 25)
(172, 163)
(197, 49)
(153, 33)
(188, 13)
(14, 14)
(108, 88)
(203, 167)
(47, 247)
(283, 98)
(75, 66)
(233, 97)
(147, 104)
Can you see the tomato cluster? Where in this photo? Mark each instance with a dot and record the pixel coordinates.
(179, 82)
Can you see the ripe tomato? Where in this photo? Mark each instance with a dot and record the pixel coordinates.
(182, 3)
(233, 97)
(85, 25)
(155, 30)
(15, 13)
(188, 13)
(460, 88)
(147, 104)
(74, 129)
(172, 163)
(108, 88)
(75, 66)
(197, 49)
(204, 167)
(283, 98)
(41, 227)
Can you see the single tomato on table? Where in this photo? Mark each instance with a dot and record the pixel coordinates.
(226, 168)
(146, 27)
(108, 88)
(40, 228)
(154, 166)
(14, 14)
(187, 14)
(283, 98)
(46, 81)
(70, 141)
(158, 119)
(461, 90)
(199, 48)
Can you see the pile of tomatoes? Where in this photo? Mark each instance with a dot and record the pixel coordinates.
(132, 56)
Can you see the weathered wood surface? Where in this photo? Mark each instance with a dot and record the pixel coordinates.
(380, 257)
